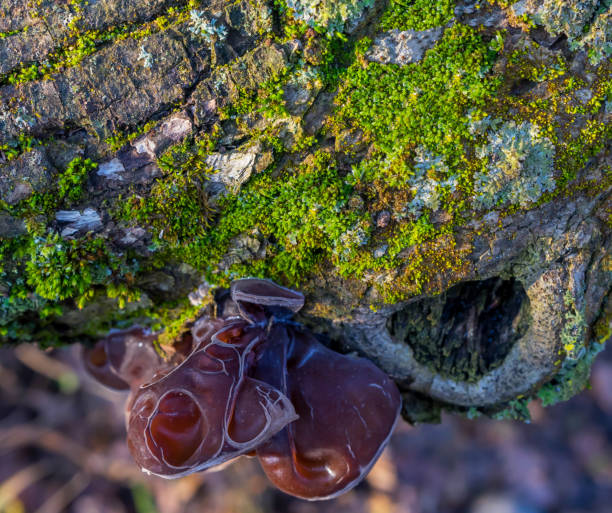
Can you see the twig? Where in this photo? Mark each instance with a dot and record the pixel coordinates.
(90, 462)
(8, 378)
(65, 495)
(38, 361)
(12, 487)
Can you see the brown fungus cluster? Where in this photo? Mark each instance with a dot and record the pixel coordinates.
(257, 383)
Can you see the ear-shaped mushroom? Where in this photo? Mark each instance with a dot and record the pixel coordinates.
(207, 410)
(124, 358)
(347, 410)
(254, 296)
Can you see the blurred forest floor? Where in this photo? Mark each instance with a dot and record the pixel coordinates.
(63, 449)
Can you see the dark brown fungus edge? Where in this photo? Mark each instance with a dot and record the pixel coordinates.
(259, 383)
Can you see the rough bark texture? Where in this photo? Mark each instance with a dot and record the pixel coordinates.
(153, 150)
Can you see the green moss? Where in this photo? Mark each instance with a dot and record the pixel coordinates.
(119, 139)
(41, 272)
(417, 14)
(172, 317)
(4, 35)
(267, 99)
(66, 56)
(177, 207)
(515, 410)
(306, 212)
(578, 356)
(67, 189)
(71, 182)
(530, 62)
(303, 211)
(572, 378)
(60, 269)
(15, 298)
(418, 105)
(405, 112)
(14, 149)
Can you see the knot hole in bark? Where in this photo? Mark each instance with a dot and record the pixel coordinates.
(467, 331)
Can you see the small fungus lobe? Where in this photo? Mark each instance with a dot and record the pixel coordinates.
(255, 383)
(123, 359)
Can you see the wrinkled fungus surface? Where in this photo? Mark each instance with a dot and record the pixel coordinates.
(258, 383)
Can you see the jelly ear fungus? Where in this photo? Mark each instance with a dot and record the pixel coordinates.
(256, 382)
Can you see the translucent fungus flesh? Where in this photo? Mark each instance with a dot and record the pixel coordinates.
(256, 383)
(176, 428)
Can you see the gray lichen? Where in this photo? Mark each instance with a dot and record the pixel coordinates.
(146, 58)
(519, 166)
(208, 29)
(329, 14)
(356, 236)
(428, 184)
(598, 39)
(586, 23)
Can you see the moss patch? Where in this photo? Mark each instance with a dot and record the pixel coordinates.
(417, 14)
